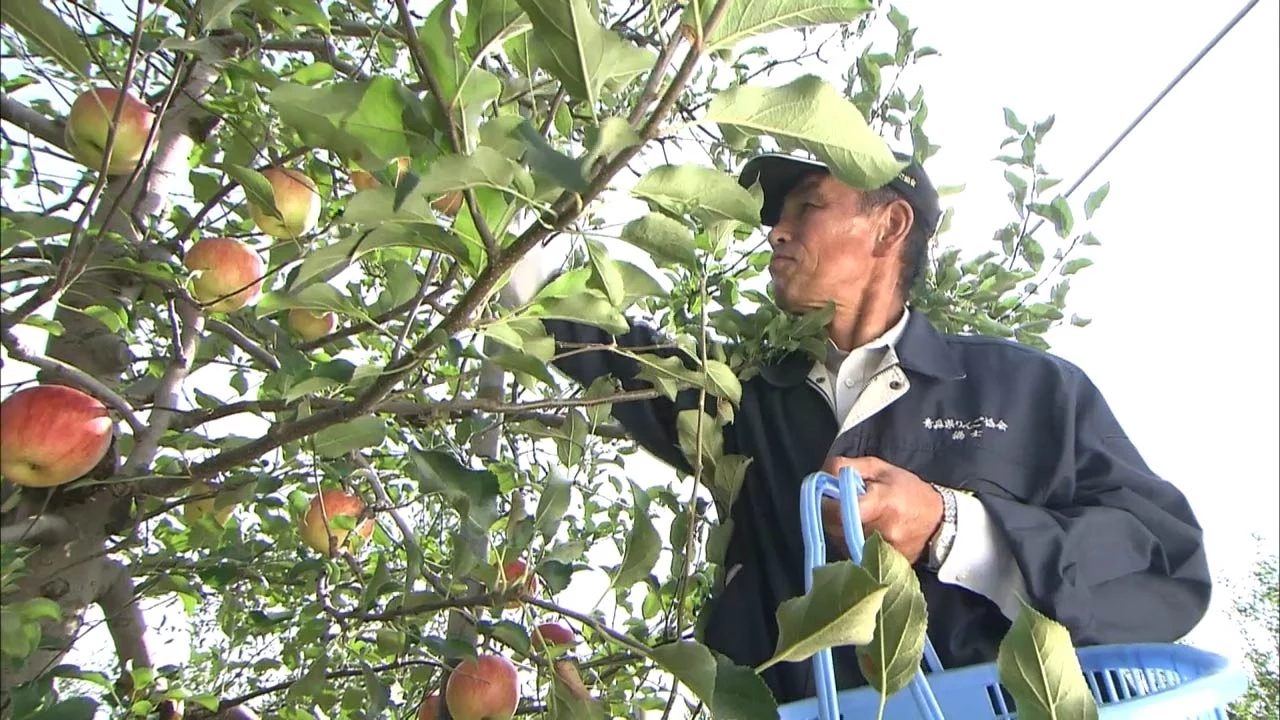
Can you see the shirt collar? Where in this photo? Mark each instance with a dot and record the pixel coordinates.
(886, 341)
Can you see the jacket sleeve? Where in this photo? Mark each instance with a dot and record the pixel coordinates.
(1116, 553)
(652, 422)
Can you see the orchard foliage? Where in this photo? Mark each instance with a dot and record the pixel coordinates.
(431, 147)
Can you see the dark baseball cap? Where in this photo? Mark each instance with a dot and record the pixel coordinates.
(778, 173)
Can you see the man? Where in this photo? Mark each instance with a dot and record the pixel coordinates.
(998, 470)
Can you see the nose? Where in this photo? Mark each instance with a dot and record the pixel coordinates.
(778, 235)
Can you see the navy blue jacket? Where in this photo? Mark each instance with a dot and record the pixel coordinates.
(1105, 546)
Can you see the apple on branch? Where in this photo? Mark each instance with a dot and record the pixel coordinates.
(310, 325)
(230, 273)
(512, 572)
(552, 635)
(51, 435)
(485, 687)
(297, 199)
(329, 504)
(90, 120)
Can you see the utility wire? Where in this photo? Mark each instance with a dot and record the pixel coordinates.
(1151, 106)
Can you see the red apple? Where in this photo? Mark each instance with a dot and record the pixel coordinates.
(554, 635)
(51, 435)
(194, 510)
(512, 572)
(483, 688)
(90, 120)
(312, 325)
(327, 505)
(430, 707)
(297, 199)
(226, 266)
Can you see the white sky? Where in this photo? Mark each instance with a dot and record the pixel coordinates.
(1183, 294)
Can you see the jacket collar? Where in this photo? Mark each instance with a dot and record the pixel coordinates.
(921, 349)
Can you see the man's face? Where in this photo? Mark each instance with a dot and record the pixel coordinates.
(825, 247)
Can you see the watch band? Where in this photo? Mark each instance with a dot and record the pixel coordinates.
(940, 543)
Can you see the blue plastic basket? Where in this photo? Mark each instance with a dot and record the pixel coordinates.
(1155, 681)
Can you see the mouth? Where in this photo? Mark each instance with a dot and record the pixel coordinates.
(780, 260)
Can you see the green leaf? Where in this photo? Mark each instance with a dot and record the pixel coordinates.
(671, 375)
(317, 297)
(728, 690)
(638, 283)
(610, 279)
(1038, 665)
(890, 661)
(1094, 201)
(744, 19)
(704, 192)
(552, 503)
(1074, 266)
(489, 23)
(257, 189)
(578, 51)
(606, 140)
(643, 547)
(473, 492)
(408, 234)
(45, 29)
(358, 434)
(371, 122)
(840, 610)
(483, 167)
(809, 114)
(666, 240)
(1012, 122)
(466, 90)
(589, 306)
(567, 172)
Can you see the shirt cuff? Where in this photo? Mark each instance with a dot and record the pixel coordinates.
(980, 559)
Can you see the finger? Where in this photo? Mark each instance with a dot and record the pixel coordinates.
(871, 505)
(834, 463)
(870, 467)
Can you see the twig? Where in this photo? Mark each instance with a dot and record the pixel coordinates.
(76, 376)
(242, 341)
(166, 394)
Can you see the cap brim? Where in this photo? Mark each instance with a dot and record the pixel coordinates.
(777, 175)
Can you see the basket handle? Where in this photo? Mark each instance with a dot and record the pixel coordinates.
(846, 489)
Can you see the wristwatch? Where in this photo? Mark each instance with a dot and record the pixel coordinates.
(940, 543)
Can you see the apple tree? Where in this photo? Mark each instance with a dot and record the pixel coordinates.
(270, 243)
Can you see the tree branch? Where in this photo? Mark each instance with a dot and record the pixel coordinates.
(242, 341)
(59, 370)
(37, 125)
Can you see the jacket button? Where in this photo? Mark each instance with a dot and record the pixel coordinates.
(895, 384)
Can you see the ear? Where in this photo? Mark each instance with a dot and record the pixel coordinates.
(895, 223)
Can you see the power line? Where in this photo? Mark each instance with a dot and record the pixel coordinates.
(1151, 106)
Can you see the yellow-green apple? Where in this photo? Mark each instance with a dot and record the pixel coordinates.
(51, 435)
(90, 120)
(483, 688)
(297, 199)
(194, 510)
(311, 325)
(430, 707)
(512, 572)
(552, 635)
(230, 273)
(329, 504)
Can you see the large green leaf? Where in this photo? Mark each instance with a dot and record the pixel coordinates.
(589, 306)
(573, 46)
(1038, 665)
(425, 235)
(840, 610)
(643, 547)
(371, 122)
(697, 190)
(670, 375)
(473, 492)
(483, 167)
(490, 23)
(465, 89)
(44, 29)
(665, 239)
(809, 114)
(730, 691)
(744, 19)
(557, 491)
(890, 661)
(340, 439)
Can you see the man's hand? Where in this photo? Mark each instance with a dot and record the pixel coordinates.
(904, 509)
